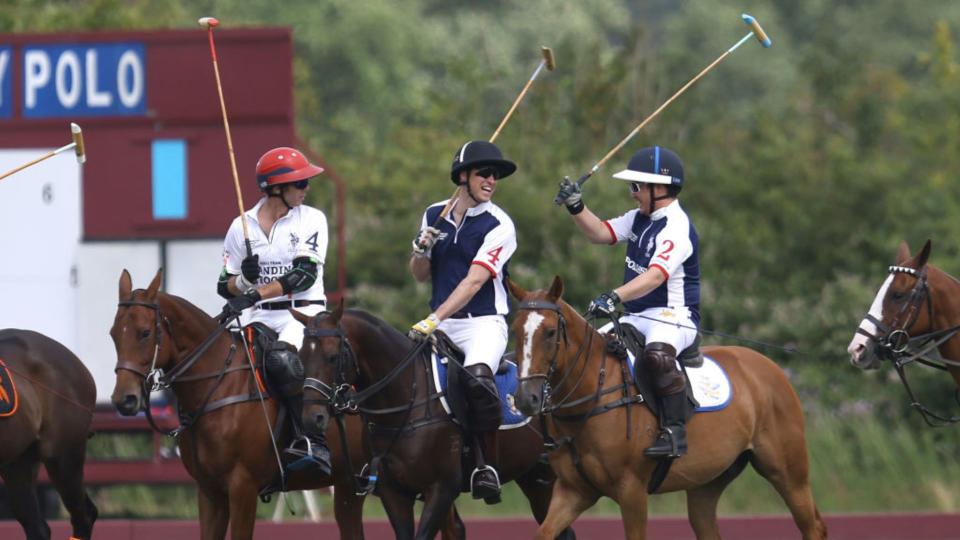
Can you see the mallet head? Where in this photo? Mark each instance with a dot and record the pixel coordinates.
(758, 32)
(78, 143)
(547, 53)
(208, 23)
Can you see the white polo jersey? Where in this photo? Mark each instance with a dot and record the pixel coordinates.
(302, 232)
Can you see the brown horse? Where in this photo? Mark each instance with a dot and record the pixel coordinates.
(916, 311)
(418, 444)
(225, 441)
(763, 425)
(45, 418)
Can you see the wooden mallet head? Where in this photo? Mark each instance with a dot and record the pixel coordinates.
(78, 147)
(208, 23)
(547, 53)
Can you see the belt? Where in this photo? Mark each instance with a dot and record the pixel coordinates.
(465, 315)
(287, 304)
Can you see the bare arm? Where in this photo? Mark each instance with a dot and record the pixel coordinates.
(641, 285)
(593, 227)
(476, 277)
(270, 290)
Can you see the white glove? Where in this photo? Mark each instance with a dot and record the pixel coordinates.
(425, 240)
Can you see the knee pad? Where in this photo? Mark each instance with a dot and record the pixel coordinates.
(284, 369)
(485, 411)
(660, 360)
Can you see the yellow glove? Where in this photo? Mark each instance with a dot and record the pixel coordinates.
(424, 328)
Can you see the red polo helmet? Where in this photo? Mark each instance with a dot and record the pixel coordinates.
(284, 165)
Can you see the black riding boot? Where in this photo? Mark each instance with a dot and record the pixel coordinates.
(672, 441)
(308, 449)
(485, 482)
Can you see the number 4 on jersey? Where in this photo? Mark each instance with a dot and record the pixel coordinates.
(494, 255)
(312, 241)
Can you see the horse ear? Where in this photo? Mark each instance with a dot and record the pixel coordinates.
(302, 317)
(126, 285)
(338, 313)
(921, 259)
(155, 284)
(903, 252)
(556, 288)
(517, 291)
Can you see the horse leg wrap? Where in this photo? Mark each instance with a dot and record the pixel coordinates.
(660, 360)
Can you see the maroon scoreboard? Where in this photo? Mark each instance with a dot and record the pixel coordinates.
(158, 164)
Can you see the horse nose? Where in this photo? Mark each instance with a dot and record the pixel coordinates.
(129, 405)
(528, 403)
(856, 351)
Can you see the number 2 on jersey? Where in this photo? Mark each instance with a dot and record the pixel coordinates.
(663, 255)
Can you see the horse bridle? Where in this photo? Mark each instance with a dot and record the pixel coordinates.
(583, 352)
(895, 337)
(151, 377)
(894, 340)
(337, 396)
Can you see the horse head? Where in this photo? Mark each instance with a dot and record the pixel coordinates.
(545, 342)
(897, 311)
(141, 342)
(329, 366)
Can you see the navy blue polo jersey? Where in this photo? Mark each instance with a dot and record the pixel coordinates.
(485, 237)
(665, 242)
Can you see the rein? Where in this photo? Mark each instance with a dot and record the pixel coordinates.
(155, 380)
(896, 344)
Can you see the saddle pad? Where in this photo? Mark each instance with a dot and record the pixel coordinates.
(8, 391)
(507, 384)
(709, 382)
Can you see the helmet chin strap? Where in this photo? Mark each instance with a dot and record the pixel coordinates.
(470, 192)
(279, 195)
(654, 199)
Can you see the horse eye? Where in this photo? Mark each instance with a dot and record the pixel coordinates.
(144, 334)
(550, 333)
(897, 296)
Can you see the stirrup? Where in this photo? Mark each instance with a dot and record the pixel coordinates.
(307, 459)
(667, 436)
(490, 494)
(365, 482)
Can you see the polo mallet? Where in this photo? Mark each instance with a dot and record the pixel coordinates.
(77, 146)
(755, 30)
(209, 23)
(548, 62)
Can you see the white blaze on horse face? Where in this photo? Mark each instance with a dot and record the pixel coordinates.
(859, 341)
(529, 329)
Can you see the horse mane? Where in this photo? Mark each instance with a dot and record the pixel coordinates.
(378, 325)
(181, 303)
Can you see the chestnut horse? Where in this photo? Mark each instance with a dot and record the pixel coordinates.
(225, 441)
(916, 311)
(418, 445)
(763, 425)
(47, 402)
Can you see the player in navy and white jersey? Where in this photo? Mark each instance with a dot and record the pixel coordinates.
(465, 256)
(288, 240)
(661, 284)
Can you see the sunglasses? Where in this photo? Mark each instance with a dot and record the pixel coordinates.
(487, 172)
(300, 184)
(635, 187)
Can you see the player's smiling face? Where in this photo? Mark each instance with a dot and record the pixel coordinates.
(483, 183)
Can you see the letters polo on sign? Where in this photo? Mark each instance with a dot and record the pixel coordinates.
(97, 79)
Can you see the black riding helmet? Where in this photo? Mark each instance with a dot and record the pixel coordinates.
(476, 154)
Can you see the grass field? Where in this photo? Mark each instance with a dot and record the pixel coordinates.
(859, 464)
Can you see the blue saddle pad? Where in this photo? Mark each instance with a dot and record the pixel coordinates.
(507, 384)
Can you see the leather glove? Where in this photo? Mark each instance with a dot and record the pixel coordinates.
(424, 328)
(425, 240)
(570, 195)
(250, 269)
(235, 306)
(605, 304)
